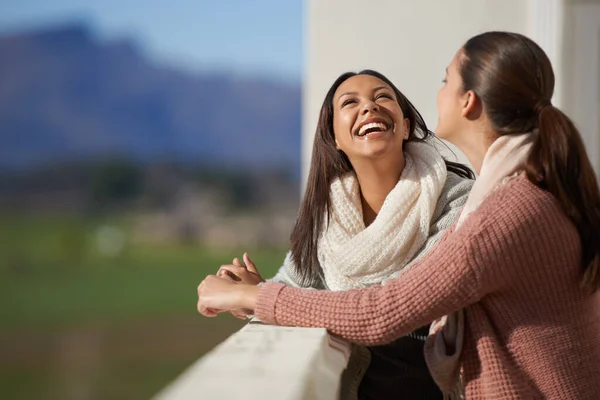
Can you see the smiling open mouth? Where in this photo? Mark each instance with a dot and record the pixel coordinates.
(372, 128)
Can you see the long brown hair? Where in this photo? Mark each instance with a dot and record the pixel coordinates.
(513, 77)
(328, 163)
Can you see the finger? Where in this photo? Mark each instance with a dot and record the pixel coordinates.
(211, 312)
(223, 273)
(238, 315)
(235, 271)
(237, 262)
(233, 268)
(207, 312)
(249, 264)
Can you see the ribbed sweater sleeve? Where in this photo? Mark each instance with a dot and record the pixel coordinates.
(288, 275)
(452, 276)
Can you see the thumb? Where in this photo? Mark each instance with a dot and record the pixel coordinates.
(249, 264)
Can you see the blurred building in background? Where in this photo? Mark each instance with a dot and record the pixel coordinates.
(412, 42)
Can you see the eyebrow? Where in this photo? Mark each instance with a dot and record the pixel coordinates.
(374, 90)
(347, 94)
(446, 70)
(381, 87)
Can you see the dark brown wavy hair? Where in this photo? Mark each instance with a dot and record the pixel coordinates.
(513, 78)
(328, 163)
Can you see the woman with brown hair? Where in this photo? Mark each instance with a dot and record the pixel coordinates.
(518, 273)
(379, 196)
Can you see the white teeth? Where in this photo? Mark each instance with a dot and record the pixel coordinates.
(364, 128)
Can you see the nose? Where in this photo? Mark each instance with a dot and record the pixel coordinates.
(369, 106)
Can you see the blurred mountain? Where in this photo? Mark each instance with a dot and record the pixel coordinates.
(65, 95)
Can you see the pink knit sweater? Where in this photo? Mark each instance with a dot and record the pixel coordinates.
(514, 266)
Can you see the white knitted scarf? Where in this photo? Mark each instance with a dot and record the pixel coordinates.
(353, 256)
(443, 348)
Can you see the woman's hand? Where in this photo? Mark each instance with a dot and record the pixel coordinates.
(240, 313)
(217, 295)
(241, 273)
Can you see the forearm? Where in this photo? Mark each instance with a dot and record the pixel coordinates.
(338, 312)
(435, 287)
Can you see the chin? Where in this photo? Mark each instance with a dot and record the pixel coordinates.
(376, 152)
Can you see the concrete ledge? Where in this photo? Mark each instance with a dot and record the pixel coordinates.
(266, 362)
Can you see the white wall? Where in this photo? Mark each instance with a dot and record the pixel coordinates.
(409, 41)
(582, 94)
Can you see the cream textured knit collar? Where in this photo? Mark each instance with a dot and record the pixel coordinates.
(353, 256)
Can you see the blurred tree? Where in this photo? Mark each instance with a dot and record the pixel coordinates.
(239, 185)
(116, 181)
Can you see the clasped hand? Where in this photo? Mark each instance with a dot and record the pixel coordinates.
(233, 289)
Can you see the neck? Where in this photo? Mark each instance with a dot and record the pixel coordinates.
(376, 182)
(476, 149)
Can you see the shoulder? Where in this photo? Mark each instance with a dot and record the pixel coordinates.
(454, 194)
(520, 196)
(519, 205)
(516, 229)
(457, 186)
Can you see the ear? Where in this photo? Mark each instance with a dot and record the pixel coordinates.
(469, 103)
(337, 146)
(406, 128)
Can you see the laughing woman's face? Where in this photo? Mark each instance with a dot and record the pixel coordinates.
(367, 119)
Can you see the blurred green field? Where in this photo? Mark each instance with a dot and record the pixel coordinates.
(75, 324)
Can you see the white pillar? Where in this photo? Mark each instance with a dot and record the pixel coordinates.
(546, 28)
(582, 84)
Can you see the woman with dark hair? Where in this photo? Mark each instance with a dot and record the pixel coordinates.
(518, 273)
(522, 262)
(378, 196)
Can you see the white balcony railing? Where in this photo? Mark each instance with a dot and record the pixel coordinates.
(266, 362)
